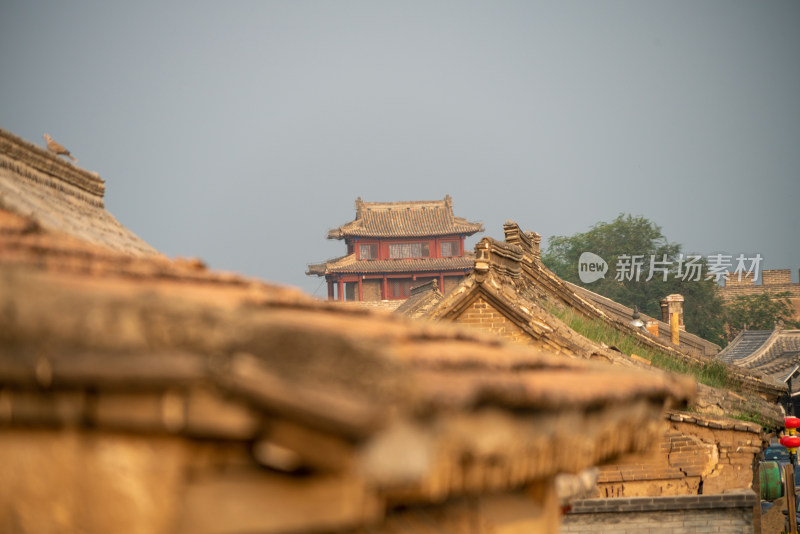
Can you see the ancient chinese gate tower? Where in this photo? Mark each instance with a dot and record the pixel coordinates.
(393, 246)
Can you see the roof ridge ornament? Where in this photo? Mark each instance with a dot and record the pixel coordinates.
(530, 242)
(359, 207)
(504, 258)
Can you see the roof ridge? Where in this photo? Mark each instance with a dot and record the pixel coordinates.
(23, 152)
(398, 203)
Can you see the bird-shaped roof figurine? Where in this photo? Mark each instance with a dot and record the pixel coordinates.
(57, 149)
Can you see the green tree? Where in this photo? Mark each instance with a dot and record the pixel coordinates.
(617, 242)
(758, 312)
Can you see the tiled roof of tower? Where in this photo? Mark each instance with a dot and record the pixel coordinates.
(405, 219)
(349, 264)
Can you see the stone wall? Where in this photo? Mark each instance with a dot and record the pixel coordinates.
(696, 455)
(731, 513)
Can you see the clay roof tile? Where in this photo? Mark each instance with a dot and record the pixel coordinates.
(405, 219)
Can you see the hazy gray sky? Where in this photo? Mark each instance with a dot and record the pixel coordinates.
(240, 132)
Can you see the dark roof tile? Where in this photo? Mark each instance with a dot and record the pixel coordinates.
(745, 345)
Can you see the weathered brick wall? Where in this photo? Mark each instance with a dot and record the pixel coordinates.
(728, 293)
(776, 276)
(481, 315)
(731, 455)
(674, 469)
(692, 451)
(745, 280)
(731, 513)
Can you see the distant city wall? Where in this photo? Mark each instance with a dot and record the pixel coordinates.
(775, 281)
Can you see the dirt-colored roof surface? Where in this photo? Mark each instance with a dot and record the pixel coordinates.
(223, 376)
(405, 219)
(421, 300)
(374, 305)
(336, 370)
(349, 264)
(129, 318)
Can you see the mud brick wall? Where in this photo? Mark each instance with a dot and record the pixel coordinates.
(731, 513)
(695, 455)
(481, 315)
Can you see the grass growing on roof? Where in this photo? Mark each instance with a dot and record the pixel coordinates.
(711, 373)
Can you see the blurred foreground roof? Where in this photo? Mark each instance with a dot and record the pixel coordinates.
(142, 394)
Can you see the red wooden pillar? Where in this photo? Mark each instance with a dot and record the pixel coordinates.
(360, 291)
(341, 290)
(441, 282)
(330, 289)
(461, 246)
(385, 289)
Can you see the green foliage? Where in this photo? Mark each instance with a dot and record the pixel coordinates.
(712, 373)
(636, 235)
(758, 312)
(750, 415)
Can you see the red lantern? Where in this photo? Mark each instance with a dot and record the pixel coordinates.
(792, 424)
(790, 442)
